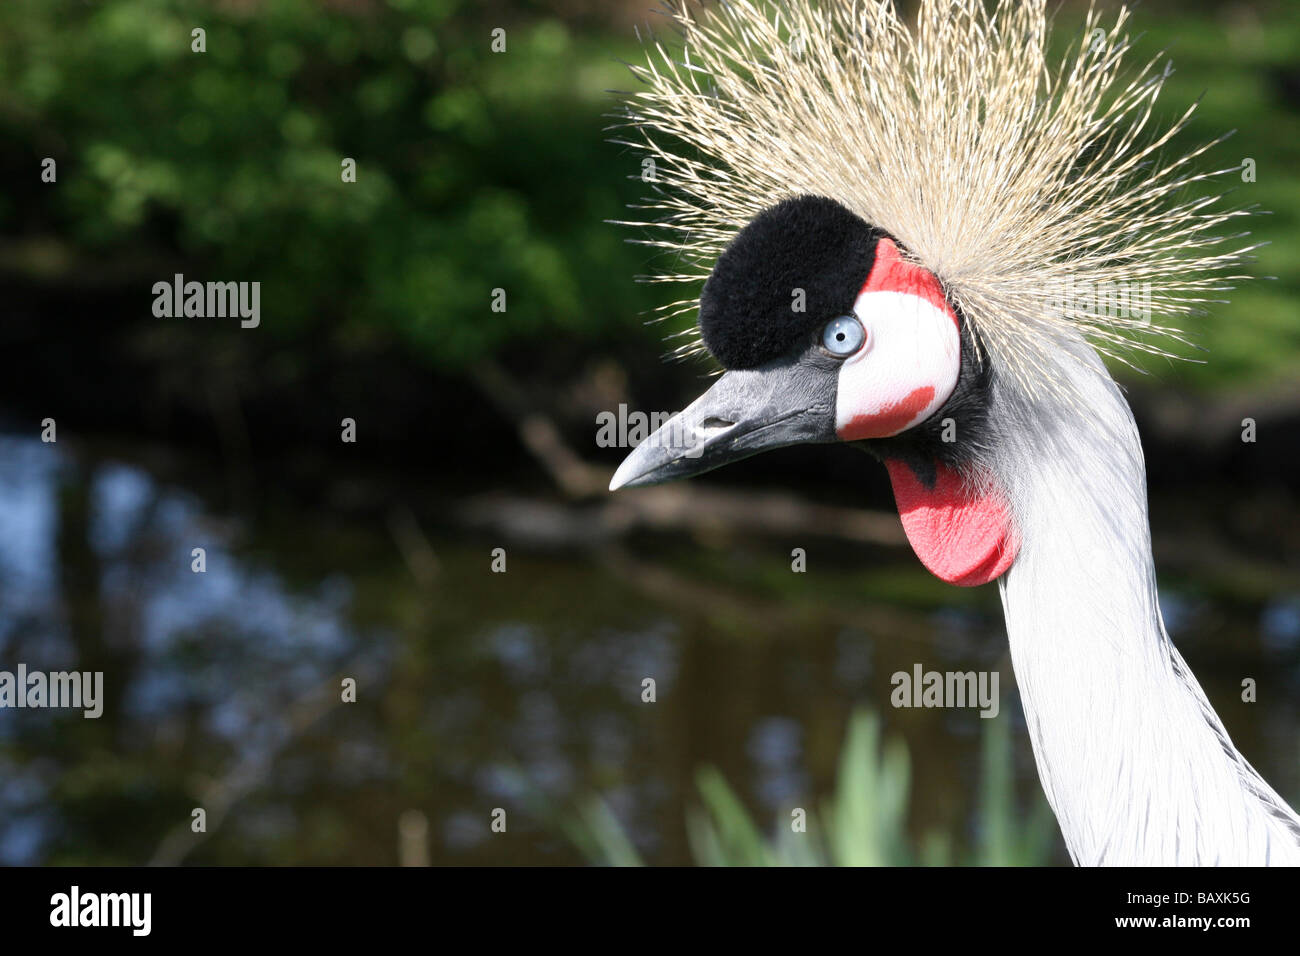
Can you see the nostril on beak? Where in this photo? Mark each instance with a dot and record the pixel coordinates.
(713, 422)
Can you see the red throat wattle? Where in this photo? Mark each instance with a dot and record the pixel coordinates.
(965, 538)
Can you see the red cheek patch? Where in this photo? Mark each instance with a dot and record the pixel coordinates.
(890, 420)
(962, 537)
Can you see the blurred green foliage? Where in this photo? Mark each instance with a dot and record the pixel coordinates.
(1242, 64)
(864, 822)
(476, 169)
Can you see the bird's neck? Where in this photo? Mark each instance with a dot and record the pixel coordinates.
(1134, 761)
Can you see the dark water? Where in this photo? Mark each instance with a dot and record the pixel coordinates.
(478, 690)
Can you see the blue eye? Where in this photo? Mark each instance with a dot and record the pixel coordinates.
(843, 336)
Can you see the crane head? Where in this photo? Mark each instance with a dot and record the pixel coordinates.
(828, 333)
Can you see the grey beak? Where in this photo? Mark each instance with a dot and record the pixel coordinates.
(787, 402)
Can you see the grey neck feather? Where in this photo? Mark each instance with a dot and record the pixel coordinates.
(1135, 763)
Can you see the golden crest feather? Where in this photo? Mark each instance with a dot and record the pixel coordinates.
(1039, 192)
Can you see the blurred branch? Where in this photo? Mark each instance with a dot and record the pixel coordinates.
(696, 508)
(573, 476)
(414, 546)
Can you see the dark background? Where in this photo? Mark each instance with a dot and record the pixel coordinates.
(476, 430)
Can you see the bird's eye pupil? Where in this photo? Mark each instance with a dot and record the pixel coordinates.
(843, 335)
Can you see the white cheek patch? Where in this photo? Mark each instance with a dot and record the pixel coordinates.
(905, 371)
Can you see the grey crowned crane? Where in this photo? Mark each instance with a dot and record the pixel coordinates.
(921, 241)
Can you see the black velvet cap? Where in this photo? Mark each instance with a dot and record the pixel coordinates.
(807, 242)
